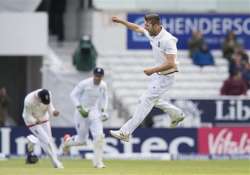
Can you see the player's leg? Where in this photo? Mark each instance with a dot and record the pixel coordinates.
(147, 101)
(82, 128)
(46, 144)
(31, 157)
(174, 112)
(32, 141)
(47, 129)
(158, 86)
(96, 129)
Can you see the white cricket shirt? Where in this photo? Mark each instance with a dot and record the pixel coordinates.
(34, 111)
(89, 95)
(162, 43)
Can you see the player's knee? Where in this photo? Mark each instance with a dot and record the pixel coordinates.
(32, 139)
(149, 98)
(100, 139)
(81, 140)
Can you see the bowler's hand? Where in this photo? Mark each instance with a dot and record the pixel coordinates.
(149, 71)
(116, 19)
(56, 113)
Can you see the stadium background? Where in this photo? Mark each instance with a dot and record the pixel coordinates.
(32, 56)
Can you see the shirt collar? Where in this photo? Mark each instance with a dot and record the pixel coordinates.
(160, 34)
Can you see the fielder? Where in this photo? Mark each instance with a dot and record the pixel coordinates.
(91, 100)
(37, 109)
(162, 75)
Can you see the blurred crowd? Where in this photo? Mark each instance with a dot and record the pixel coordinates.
(4, 105)
(238, 81)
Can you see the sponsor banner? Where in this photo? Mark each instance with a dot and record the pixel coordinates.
(230, 157)
(190, 157)
(148, 141)
(172, 141)
(216, 111)
(225, 111)
(223, 141)
(210, 157)
(13, 140)
(213, 26)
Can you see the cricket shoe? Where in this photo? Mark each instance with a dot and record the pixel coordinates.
(66, 138)
(176, 121)
(58, 165)
(120, 135)
(100, 165)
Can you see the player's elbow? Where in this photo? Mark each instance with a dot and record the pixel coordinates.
(173, 65)
(170, 64)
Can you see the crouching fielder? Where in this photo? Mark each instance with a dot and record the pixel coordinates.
(91, 100)
(37, 109)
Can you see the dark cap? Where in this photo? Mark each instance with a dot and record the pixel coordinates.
(98, 71)
(43, 94)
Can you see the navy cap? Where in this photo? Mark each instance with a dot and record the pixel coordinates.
(44, 96)
(98, 71)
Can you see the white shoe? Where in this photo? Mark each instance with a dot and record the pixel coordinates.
(58, 165)
(176, 121)
(100, 165)
(120, 135)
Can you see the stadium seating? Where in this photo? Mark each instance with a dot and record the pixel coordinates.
(59, 75)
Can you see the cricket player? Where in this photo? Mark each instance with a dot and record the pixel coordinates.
(162, 74)
(38, 108)
(91, 100)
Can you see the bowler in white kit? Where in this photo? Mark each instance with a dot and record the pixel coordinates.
(38, 107)
(162, 74)
(90, 99)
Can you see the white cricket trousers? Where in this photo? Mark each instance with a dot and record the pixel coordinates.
(83, 125)
(94, 124)
(43, 134)
(158, 85)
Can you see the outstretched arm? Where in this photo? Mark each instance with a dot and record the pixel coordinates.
(130, 25)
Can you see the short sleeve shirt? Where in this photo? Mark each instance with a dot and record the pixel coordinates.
(163, 43)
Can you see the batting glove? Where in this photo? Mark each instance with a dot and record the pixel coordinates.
(84, 113)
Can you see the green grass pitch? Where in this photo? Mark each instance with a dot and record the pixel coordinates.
(129, 167)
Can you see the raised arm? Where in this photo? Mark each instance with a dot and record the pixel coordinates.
(130, 25)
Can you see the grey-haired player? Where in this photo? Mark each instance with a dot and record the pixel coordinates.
(162, 74)
(90, 100)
